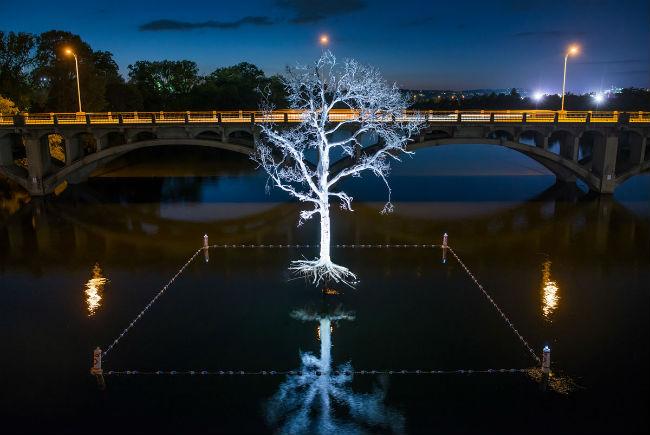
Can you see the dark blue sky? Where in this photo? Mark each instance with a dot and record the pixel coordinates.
(447, 44)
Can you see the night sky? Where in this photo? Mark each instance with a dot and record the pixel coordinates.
(464, 44)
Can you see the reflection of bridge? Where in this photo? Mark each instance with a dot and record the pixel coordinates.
(601, 148)
(37, 233)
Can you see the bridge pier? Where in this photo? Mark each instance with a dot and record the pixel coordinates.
(569, 147)
(604, 164)
(72, 149)
(545, 142)
(638, 151)
(38, 158)
(6, 150)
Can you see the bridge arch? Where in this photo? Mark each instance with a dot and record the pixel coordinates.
(436, 134)
(11, 149)
(55, 145)
(500, 134)
(144, 136)
(111, 139)
(81, 169)
(563, 169)
(532, 138)
(562, 143)
(630, 151)
(241, 137)
(591, 143)
(209, 135)
(79, 145)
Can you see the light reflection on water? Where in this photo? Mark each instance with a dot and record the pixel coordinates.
(550, 289)
(95, 290)
(321, 400)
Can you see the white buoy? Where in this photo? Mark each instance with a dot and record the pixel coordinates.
(97, 362)
(546, 360)
(445, 239)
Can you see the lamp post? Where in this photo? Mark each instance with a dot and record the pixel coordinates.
(324, 40)
(76, 66)
(572, 50)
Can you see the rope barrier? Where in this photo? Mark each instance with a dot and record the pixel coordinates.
(314, 372)
(494, 304)
(144, 310)
(99, 355)
(318, 246)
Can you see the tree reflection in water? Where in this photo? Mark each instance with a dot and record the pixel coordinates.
(320, 400)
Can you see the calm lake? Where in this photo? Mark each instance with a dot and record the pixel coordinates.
(568, 269)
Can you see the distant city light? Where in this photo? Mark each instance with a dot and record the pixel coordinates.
(324, 39)
(599, 98)
(537, 96)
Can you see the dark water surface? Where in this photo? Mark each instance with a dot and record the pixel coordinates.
(569, 270)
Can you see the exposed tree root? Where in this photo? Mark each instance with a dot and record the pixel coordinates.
(320, 270)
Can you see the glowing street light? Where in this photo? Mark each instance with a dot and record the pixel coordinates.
(76, 65)
(537, 96)
(573, 50)
(324, 40)
(598, 98)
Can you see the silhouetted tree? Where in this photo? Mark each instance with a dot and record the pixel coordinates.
(236, 87)
(54, 75)
(165, 84)
(17, 56)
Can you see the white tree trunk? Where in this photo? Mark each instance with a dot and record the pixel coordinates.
(325, 344)
(325, 233)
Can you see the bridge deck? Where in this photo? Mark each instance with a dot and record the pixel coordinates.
(294, 116)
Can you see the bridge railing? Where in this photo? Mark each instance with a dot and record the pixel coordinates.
(6, 119)
(338, 115)
(639, 116)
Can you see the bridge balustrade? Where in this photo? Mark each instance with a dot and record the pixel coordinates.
(603, 116)
(104, 118)
(639, 116)
(338, 115)
(546, 116)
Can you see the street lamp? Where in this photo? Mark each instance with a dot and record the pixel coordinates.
(76, 65)
(324, 40)
(572, 50)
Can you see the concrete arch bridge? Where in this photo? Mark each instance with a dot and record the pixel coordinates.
(601, 148)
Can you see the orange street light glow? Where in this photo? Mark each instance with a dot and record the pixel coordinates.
(574, 49)
(324, 39)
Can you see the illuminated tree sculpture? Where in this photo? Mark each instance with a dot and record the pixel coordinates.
(375, 113)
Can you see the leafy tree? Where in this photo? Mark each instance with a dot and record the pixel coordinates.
(54, 75)
(237, 87)
(164, 85)
(123, 97)
(7, 107)
(17, 55)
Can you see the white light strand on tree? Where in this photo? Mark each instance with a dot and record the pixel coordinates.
(318, 90)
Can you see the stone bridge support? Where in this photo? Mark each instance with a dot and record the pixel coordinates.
(6, 152)
(39, 163)
(604, 164)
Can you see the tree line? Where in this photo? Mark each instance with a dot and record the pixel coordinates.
(37, 75)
